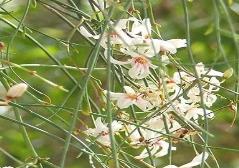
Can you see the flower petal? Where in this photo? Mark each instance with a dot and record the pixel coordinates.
(196, 161)
(129, 90)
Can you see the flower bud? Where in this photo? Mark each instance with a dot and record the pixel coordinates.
(16, 91)
(228, 73)
(2, 46)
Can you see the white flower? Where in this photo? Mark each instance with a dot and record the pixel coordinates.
(194, 94)
(214, 84)
(170, 45)
(195, 162)
(116, 36)
(16, 91)
(196, 112)
(134, 135)
(201, 70)
(157, 148)
(183, 78)
(139, 29)
(140, 67)
(157, 123)
(101, 131)
(129, 98)
(209, 99)
(140, 64)
(181, 106)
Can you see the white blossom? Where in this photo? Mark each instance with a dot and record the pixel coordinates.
(195, 162)
(194, 113)
(201, 70)
(101, 131)
(16, 91)
(130, 97)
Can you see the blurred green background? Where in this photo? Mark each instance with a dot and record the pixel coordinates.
(53, 32)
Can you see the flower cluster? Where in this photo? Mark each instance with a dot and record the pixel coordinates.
(163, 98)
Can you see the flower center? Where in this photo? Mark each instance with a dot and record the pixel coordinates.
(141, 60)
(103, 133)
(170, 81)
(113, 34)
(132, 96)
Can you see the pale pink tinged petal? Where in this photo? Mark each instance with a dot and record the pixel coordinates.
(124, 102)
(116, 96)
(216, 82)
(145, 154)
(144, 72)
(136, 27)
(123, 38)
(133, 73)
(167, 46)
(177, 77)
(191, 114)
(209, 99)
(209, 113)
(113, 95)
(139, 71)
(165, 59)
(156, 123)
(151, 52)
(129, 90)
(143, 104)
(104, 140)
(149, 135)
(16, 90)
(99, 126)
(178, 43)
(136, 40)
(200, 68)
(212, 72)
(116, 126)
(175, 126)
(165, 147)
(147, 50)
(146, 27)
(177, 91)
(196, 161)
(135, 135)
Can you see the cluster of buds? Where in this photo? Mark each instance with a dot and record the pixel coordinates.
(185, 94)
